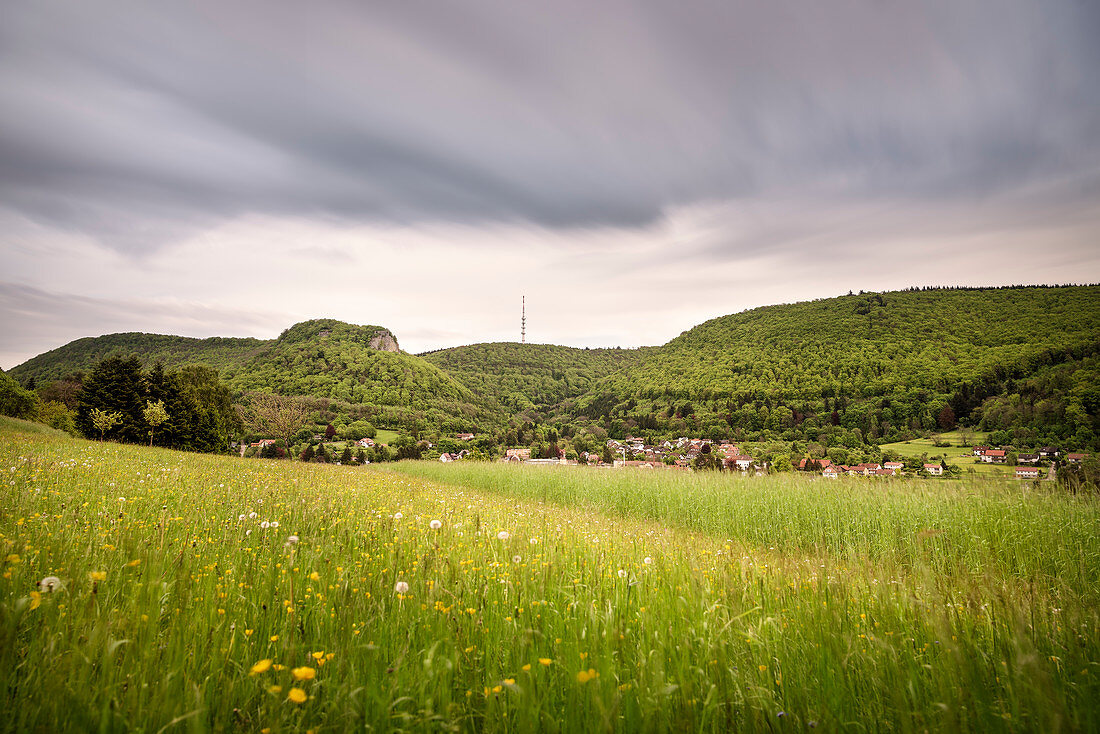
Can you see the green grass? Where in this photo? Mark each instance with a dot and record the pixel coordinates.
(961, 456)
(386, 436)
(768, 604)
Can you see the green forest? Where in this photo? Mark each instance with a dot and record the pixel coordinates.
(856, 371)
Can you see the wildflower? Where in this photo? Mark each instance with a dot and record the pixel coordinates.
(397, 516)
(98, 575)
(503, 535)
(260, 667)
(252, 516)
(527, 667)
(264, 525)
(275, 524)
(134, 563)
(292, 540)
(274, 638)
(296, 695)
(36, 600)
(517, 558)
(240, 517)
(50, 584)
(545, 662)
(314, 576)
(533, 541)
(275, 689)
(622, 574)
(586, 675)
(304, 673)
(647, 560)
(401, 587)
(509, 681)
(435, 524)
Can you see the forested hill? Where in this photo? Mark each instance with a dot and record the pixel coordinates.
(873, 365)
(524, 377)
(356, 368)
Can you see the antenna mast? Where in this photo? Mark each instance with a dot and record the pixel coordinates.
(523, 321)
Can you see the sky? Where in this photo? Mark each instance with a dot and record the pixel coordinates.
(631, 168)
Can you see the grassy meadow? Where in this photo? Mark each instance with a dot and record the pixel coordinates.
(543, 599)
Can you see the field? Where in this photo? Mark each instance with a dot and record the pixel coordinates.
(961, 456)
(546, 599)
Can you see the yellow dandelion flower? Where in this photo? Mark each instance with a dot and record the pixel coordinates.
(275, 689)
(296, 695)
(509, 681)
(545, 661)
(36, 599)
(527, 667)
(260, 667)
(274, 638)
(497, 689)
(133, 563)
(304, 673)
(586, 675)
(98, 575)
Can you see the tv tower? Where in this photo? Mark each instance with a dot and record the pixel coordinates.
(523, 321)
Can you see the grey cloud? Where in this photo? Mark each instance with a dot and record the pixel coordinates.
(139, 123)
(33, 321)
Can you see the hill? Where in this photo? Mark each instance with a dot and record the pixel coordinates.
(872, 366)
(352, 370)
(530, 377)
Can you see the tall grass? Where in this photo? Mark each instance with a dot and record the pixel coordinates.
(172, 602)
(1025, 531)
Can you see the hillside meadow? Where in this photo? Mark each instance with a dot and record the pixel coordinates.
(196, 592)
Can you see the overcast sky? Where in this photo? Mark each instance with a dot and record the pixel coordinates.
(633, 168)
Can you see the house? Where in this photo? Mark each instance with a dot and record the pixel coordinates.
(519, 454)
(263, 442)
(897, 466)
(1027, 459)
(830, 472)
(365, 443)
(445, 458)
(869, 468)
(465, 436)
(1076, 458)
(993, 456)
(979, 450)
(1048, 451)
(884, 472)
(742, 462)
(933, 469)
(1027, 472)
(821, 463)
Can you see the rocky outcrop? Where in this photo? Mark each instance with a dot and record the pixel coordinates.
(385, 341)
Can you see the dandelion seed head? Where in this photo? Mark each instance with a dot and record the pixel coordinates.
(503, 535)
(435, 524)
(50, 584)
(401, 587)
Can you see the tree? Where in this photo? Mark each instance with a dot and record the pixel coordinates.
(946, 418)
(14, 400)
(307, 453)
(155, 415)
(330, 431)
(104, 421)
(345, 457)
(361, 457)
(115, 385)
(275, 415)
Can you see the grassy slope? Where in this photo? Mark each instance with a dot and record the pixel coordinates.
(735, 621)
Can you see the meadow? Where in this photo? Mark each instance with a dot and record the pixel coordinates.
(195, 593)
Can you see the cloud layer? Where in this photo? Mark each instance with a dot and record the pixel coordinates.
(488, 144)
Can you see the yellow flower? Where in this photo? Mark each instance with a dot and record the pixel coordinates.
(248, 633)
(13, 558)
(304, 673)
(545, 661)
(135, 562)
(274, 689)
(762, 668)
(36, 599)
(527, 667)
(314, 576)
(497, 689)
(98, 575)
(586, 675)
(296, 695)
(274, 638)
(318, 655)
(509, 681)
(261, 667)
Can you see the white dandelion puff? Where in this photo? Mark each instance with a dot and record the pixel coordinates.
(401, 587)
(50, 584)
(435, 524)
(503, 535)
